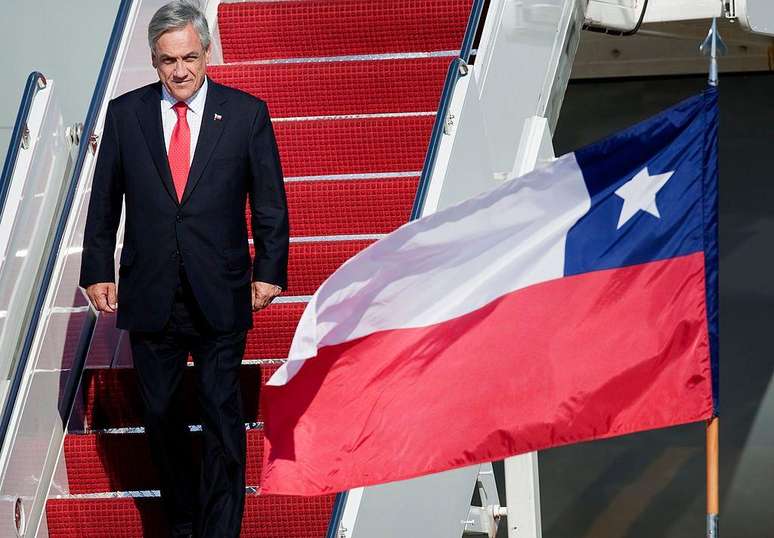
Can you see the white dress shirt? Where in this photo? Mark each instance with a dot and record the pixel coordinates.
(193, 115)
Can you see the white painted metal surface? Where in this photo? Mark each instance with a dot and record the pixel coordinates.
(462, 150)
(485, 516)
(434, 505)
(756, 15)
(679, 10)
(623, 15)
(33, 206)
(536, 149)
(522, 69)
(617, 15)
(522, 486)
(27, 216)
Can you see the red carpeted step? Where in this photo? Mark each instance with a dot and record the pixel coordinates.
(273, 330)
(105, 462)
(336, 88)
(313, 28)
(111, 398)
(353, 146)
(311, 263)
(265, 517)
(341, 207)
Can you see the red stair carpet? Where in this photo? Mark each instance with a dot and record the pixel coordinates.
(352, 86)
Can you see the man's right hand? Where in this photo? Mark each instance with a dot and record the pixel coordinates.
(103, 296)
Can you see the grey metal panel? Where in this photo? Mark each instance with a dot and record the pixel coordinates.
(468, 157)
(757, 15)
(517, 75)
(435, 505)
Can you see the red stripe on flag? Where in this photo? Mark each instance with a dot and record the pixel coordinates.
(578, 358)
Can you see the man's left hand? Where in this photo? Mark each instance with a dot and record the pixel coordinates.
(264, 294)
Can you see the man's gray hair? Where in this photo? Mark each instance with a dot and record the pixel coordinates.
(175, 16)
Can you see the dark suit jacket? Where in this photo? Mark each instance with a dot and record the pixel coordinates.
(236, 154)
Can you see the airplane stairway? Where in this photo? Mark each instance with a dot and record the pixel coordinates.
(352, 87)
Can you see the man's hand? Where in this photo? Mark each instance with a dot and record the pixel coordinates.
(103, 296)
(264, 294)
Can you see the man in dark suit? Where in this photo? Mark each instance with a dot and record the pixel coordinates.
(184, 153)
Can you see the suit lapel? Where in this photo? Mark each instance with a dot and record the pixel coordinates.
(149, 116)
(213, 121)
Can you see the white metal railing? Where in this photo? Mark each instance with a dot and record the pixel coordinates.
(55, 330)
(32, 176)
(35, 178)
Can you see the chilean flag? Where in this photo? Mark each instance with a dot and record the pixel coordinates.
(576, 302)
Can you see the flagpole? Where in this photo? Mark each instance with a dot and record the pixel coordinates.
(713, 502)
(713, 46)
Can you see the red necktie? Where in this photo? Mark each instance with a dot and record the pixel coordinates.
(180, 149)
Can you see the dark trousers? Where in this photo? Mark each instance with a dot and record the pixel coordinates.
(207, 499)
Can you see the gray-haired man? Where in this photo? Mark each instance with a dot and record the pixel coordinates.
(184, 153)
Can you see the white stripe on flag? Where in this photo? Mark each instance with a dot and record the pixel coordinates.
(447, 264)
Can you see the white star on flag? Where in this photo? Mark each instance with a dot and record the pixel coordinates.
(639, 193)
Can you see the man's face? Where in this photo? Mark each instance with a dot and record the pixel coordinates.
(181, 62)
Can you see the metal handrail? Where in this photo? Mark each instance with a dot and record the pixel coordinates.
(457, 69)
(338, 512)
(476, 10)
(452, 76)
(68, 394)
(35, 82)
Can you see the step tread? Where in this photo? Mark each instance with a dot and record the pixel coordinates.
(111, 398)
(264, 517)
(353, 146)
(344, 207)
(337, 88)
(315, 28)
(273, 330)
(311, 263)
(105, 462)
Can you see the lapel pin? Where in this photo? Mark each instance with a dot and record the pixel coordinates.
(218, 117)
